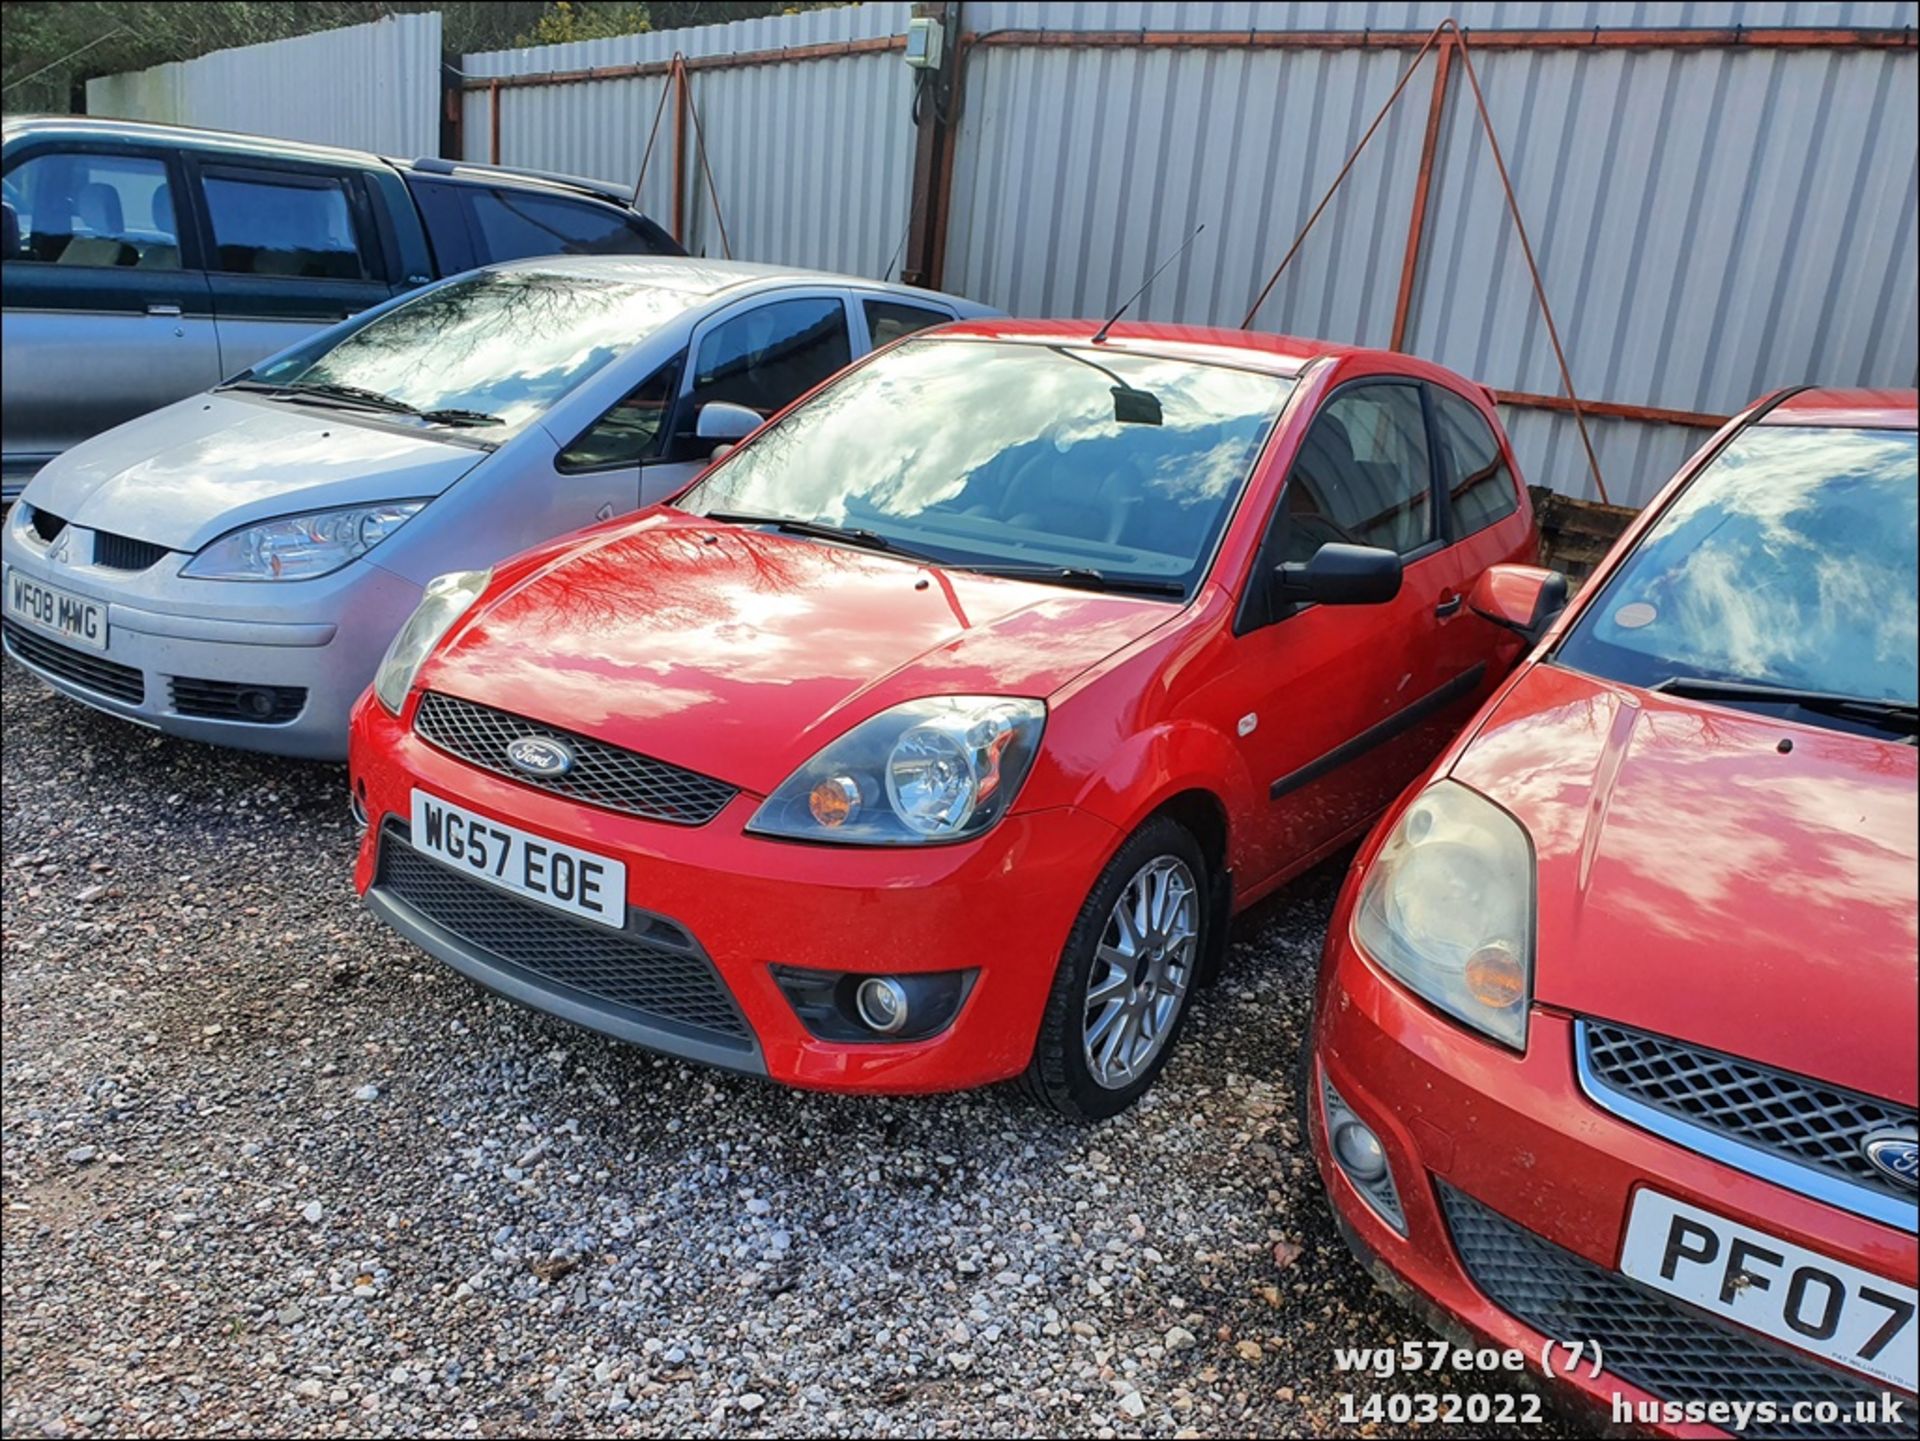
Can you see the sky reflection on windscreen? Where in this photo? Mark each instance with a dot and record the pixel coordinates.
(506, 343)
(1012, 452)
(1790, 561)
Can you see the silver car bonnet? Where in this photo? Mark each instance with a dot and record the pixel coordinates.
(199, 468)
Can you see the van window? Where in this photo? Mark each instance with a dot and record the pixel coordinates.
(516, 224)
(283, 224)
(92, 208)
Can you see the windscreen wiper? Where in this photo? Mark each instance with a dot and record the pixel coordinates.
(1085, 577)
(355, 394)
(372, 399)
(1900, 717)
(820, 530)
(454, 415)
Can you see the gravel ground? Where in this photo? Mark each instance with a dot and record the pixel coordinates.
(268, 1169)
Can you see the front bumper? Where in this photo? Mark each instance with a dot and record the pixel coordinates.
(1000, 906)
(171, 640)
(1516, 1187)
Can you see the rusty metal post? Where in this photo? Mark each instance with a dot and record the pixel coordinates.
(937, 122)
(1416, 224)
(1526, 252)
(680, 149)
(493, 123)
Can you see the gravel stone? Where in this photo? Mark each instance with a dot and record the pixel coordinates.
(681, 1251)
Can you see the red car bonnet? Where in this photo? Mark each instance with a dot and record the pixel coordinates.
(740, 653)
(1697, 880)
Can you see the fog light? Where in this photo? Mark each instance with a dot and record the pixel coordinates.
(850, 1007)
(882, 1004)
(1359, 1151)
(1360, 1156)
(254, 703)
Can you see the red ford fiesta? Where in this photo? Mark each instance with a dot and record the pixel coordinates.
(932, 737)
(1615, 1034)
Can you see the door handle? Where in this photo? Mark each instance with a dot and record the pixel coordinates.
(1450, 606)
(163, 309)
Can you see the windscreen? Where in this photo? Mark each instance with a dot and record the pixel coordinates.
(501, 343)
(993, 453)
(1789, 561)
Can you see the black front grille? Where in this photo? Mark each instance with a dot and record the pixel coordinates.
(652, 969)
(1797, 1119)
(82, 668)
(234, 700)
(1667, 1349)
(123, 552)
(602, 775)
(46, 524)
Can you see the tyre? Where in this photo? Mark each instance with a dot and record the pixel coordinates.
(1130, 966)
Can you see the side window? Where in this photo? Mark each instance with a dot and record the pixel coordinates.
(516, 224)
(631, 431)
(888, 320)
(280, 223)
(444, 210)
(772, 354)
(92, 208)
(1480, 486)
(1362, 476)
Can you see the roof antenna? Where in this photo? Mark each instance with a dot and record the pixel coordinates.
(1100, 335)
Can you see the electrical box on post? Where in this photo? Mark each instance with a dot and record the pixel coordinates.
(924, 37)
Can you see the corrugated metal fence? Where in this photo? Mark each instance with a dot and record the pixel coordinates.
(810, 155)
(373, 87)
(1717, 207)
(1710, 220)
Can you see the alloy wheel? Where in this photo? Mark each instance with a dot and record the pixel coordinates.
(1142, 970)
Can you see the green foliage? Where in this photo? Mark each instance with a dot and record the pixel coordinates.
(48, 47)
(569, 20)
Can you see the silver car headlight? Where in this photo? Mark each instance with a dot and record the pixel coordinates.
(1447, 909)
(445, 600)
(301, 547)
(941, 769)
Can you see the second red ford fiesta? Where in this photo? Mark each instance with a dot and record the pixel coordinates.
(931, 739)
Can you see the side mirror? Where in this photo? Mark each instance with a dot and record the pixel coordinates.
(1341, 575)
(1523, 598)
(721, 422)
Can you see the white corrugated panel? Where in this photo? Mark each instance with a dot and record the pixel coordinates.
(1242, 15)
(372, 87)
(812, 159)
(1710, 224)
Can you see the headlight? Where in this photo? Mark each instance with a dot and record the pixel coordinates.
(300, 547)
(1447, 908)
(943, 769)
(447, 598)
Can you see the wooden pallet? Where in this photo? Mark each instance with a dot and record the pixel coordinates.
(1575, 535)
